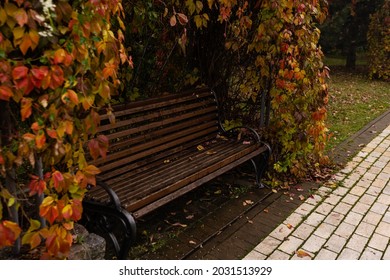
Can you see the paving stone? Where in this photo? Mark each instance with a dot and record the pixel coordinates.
(324, 230)
(334, 219)
(278, 255)
(290, 245)
(294, 219)
(375, 191)
(379, 183)
(372, 218)
(313, 201)
(342, 208)
(306, 207)
(357, 242)
(267, 246)
(353, 218)
(254, 255)
(335, 243)
(325, 254)
(303, 231)
(365, 229)
(367, 199)
(371, 254)
(333, 199)
(361, 208)
(358, 190)
(384, 199)
(386, 217)
(313, 244)
(341, 191)
(348, 254)
(314, 219)
(386, 255)
(379, 208)
(324, 208)
(345, 230)
(350, 199)
(379, 242)
(383, 228)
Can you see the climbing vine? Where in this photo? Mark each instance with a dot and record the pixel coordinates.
(58, 66)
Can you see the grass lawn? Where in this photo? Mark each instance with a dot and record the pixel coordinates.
(354, 101)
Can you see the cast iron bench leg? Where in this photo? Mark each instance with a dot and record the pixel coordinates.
(105, 220)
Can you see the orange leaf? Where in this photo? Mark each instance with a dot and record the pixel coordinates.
(52, 133)
(172, 20)
(20, 16)
(91, 170)
(59, 56)
(77, 208)
(49, 209)
(40, 139)
(302, 254)
(26, 109)
(67, 212)
(9, 232)
(26, 43)
(5, 93)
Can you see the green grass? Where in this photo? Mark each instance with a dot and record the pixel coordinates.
(354, 101)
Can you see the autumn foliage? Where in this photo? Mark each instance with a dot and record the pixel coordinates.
(58, 65)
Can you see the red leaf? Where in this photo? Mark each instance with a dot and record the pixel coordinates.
(103, 145)
(93, 146)
(57, 77)
(19, 72)
(58, 180)
(36, 185)
(38, 74)
(182, 18)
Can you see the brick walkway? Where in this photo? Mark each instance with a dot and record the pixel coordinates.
(349, 217)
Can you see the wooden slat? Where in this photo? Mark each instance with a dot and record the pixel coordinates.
(182, 182)
(153, 205)
(158, 114)
(158, 145)
(155, 103)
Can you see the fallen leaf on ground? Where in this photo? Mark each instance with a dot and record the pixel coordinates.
(189, 217)
(176, 224)
(302, 254)
(289, 226)
(218, 192)
(200, 147)
(211, 152)
(192, 242)
(246, 142)
(301, 197)
(266, 210)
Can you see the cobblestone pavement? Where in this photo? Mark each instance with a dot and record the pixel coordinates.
(348, 219)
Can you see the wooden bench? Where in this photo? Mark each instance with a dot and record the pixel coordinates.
(160, 149)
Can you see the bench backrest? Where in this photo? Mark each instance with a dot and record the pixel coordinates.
(156, 128)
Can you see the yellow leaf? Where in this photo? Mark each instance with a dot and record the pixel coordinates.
(301, 254)
(91, 169)
(200, 147)
(3, 16)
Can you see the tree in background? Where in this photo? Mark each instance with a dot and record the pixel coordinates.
(345, 30)
(378, 37)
